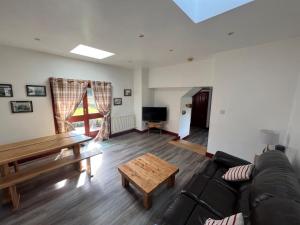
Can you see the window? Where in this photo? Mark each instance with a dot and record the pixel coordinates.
(201, 10)
(87, 119)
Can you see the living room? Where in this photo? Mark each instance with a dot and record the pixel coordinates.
(158, 57)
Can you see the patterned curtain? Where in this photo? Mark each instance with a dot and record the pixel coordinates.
(103, 98)
(67, 95)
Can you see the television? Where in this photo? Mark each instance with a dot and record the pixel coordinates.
(154, 114)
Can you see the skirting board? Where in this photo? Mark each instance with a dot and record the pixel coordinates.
(209, 155)
(163, 131)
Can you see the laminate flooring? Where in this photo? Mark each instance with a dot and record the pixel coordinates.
(65, 197)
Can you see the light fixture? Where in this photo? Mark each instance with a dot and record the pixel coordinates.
(201, 10)
(171, 50)
(91, 52)
(141, 35)
(37, 39)
(230, 33)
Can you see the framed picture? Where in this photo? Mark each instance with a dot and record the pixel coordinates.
(6, 90)
(127, 92)
(21, 106)
(117, 101)
(36, 91)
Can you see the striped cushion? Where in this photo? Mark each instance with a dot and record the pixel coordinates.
(238, 173)
(236, 219)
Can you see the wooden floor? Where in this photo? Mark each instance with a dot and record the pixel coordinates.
(198, 136)
(197, 148)
(67, 198)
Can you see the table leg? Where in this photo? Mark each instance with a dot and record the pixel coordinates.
(171, 181)
(125, 182)
(76, 152)
(147, 201)
(11, 192)
(88, 167)
(16, 166)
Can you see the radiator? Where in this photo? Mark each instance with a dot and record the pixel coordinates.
(122, 123)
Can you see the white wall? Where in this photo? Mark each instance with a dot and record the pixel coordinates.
(191, 74)
(143, 96)
(170, 98)
(255, 86)
(20, 67)
(185, 119)
(293, 140)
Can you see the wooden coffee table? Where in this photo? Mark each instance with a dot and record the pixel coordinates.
(147, 173)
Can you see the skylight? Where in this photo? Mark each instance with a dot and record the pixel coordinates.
(91, 52)
(201, 10)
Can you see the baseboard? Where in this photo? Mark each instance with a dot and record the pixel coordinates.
(186, 137)
(209, 155)
(122, 133)
(140, 131)
(163, 131)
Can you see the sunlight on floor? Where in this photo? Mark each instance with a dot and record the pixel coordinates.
(60, 184)
(81, 180)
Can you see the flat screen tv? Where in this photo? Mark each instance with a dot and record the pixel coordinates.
(154, 114)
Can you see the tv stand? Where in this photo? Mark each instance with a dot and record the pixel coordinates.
(157, 125)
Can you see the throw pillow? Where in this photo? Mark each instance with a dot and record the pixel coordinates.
(236, 219)
(239, 173)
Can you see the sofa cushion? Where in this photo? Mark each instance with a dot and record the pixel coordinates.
(276, 183)
(197, 184)
(239, 173)
(274, 160)
(276, 211)
(200, 215)
(236, 219)
(219, 197)
(180, 210)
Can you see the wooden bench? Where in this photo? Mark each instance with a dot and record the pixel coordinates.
(29, 173)
(11, 153)
(13, 179)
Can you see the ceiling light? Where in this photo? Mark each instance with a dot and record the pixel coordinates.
(37, 39)
(171, 50)
(201, 10)
(230, 33)
(141, 35)
(91, 52)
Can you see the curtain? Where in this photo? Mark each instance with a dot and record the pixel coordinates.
(103, 98)
(67, 95)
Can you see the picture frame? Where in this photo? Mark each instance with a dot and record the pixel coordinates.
(127, 92)
(36, 91)
(21, 106)
(6, 90)
(117, 101)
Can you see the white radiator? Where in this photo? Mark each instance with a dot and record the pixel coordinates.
(122, 123)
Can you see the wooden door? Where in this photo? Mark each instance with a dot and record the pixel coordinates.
(200, 109)
(87, 119)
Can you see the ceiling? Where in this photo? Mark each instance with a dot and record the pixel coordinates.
(114, 26)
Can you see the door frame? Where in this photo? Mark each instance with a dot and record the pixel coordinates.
(85, 117)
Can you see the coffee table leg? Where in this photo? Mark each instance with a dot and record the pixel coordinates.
(171, 181)
(125, 182)
(147, 201)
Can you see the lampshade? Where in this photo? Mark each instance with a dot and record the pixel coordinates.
(269, 137)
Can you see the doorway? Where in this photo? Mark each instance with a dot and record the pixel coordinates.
(199, 128)
(87, 119)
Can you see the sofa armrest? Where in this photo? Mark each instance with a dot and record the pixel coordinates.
(227, 160)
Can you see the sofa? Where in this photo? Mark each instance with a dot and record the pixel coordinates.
(271, 197)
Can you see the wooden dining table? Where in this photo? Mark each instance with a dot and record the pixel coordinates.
(11, 154)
